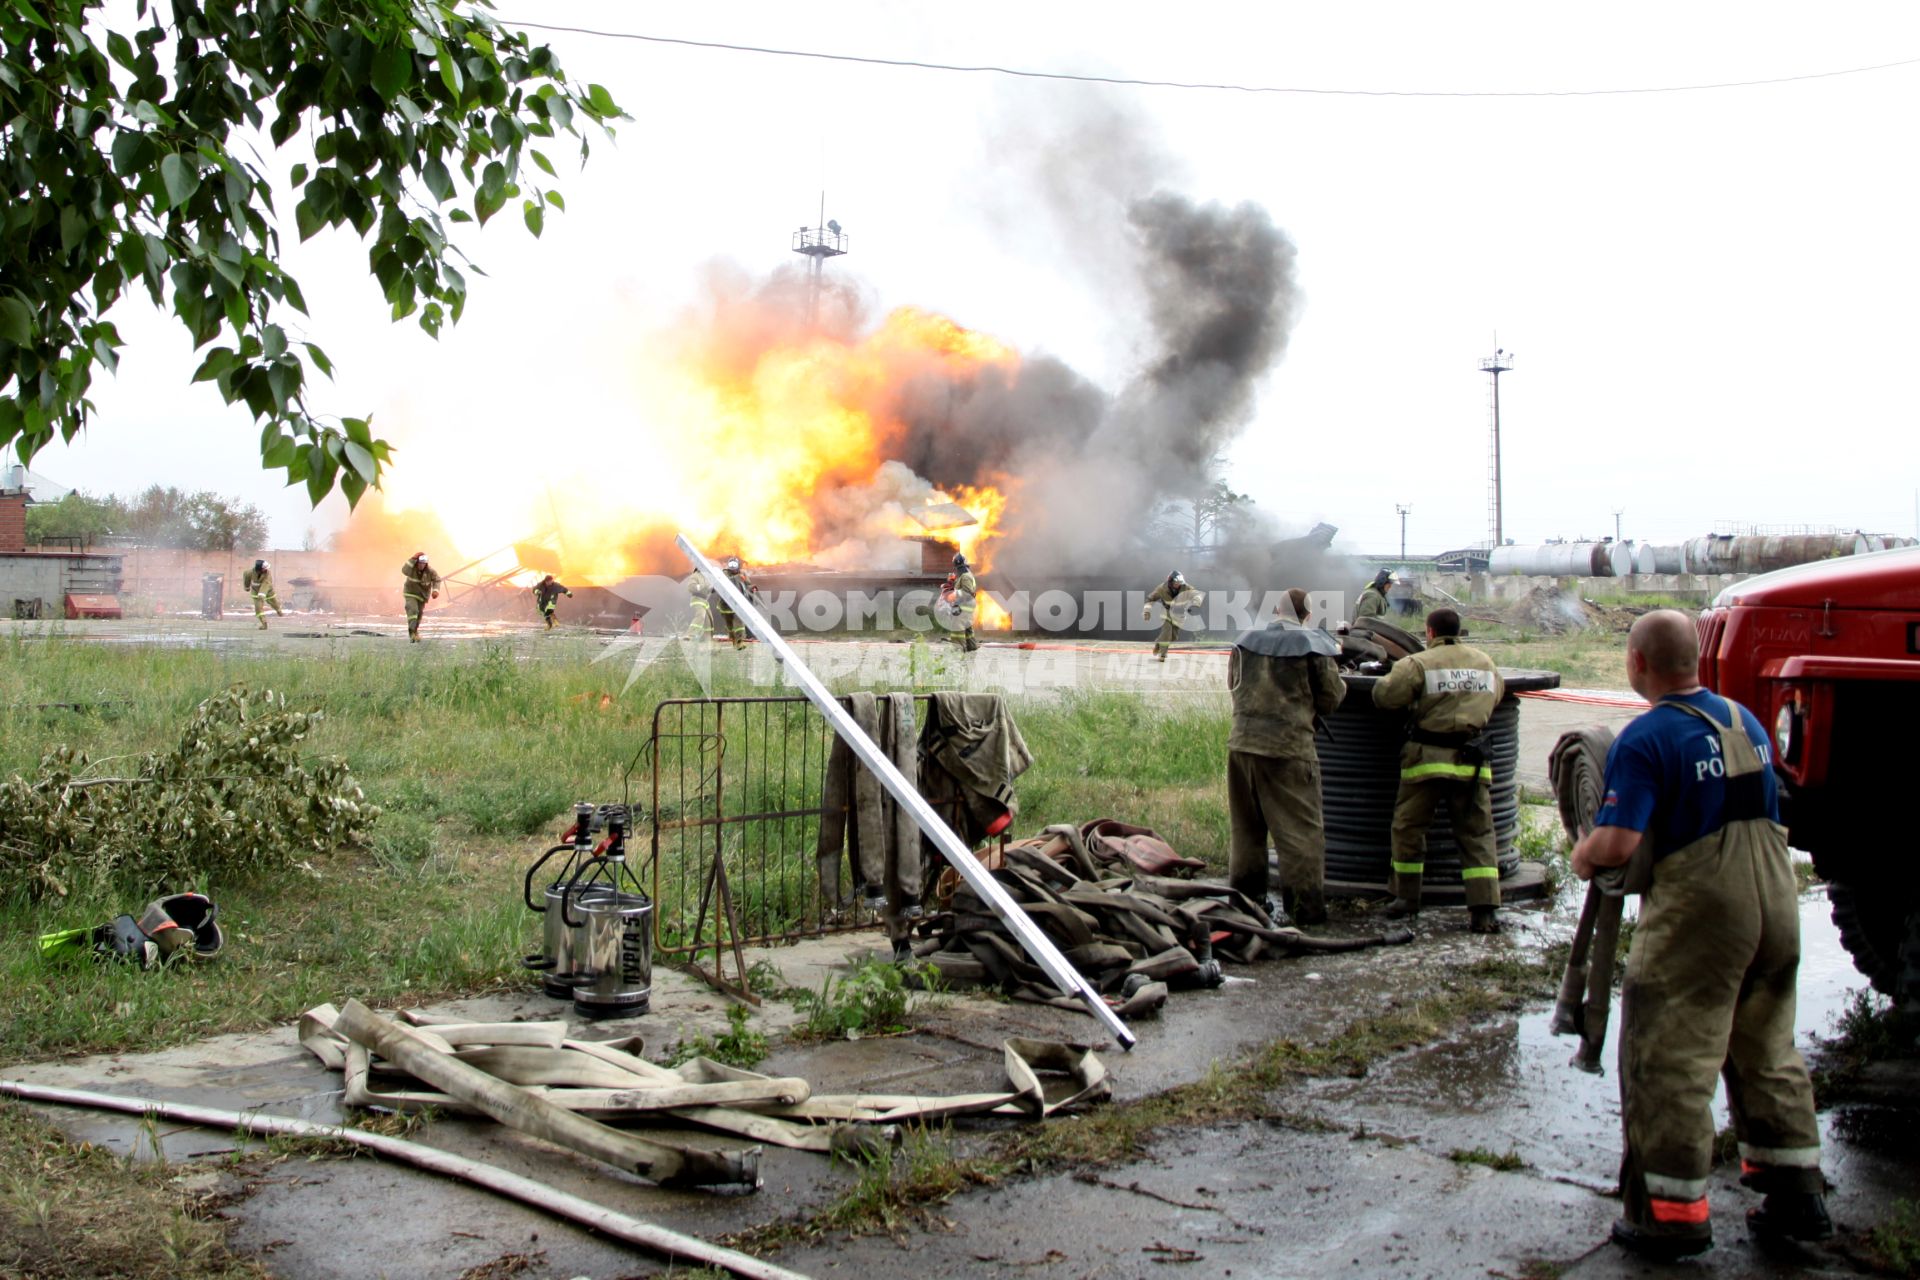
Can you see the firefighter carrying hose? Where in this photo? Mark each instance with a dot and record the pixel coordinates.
(1177, 602)
(546, 594)
(1450, 690)
(1692, 812)
(419, 583)
(957, 596)
(258, 582)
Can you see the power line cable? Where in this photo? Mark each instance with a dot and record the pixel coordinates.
(1027, 74)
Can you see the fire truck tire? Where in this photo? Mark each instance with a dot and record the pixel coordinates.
(1907, 994)
(1873, 930)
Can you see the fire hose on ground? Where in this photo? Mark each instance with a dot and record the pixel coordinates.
(619, 1226)
(1578, 766)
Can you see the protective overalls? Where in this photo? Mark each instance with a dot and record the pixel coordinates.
(1283, 679)
(1177, 602)
(1373, 602)
(957, 602)
(699, 600)
(546, 595)
(259, 584)
(1710, 991)
(736, 630)
(419, 583)
(1451, 691)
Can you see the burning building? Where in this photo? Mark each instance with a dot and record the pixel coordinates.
(802, 432)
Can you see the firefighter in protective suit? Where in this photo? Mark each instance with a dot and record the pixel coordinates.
(1283, 679)
(700, 608)
(957, 602)
(1177, 602)
(1691, 813)
(737, 575)
(258, 583)
(1450, 691)
(419, 583)
(546, 596)
(1373, 597)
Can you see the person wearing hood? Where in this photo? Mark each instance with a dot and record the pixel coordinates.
(1283, 679)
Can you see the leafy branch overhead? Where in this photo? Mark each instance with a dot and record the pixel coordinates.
(122, 175)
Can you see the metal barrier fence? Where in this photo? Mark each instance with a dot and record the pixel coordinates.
(732, 792)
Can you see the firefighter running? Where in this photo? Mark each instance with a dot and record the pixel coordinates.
(258, 582)
(1177, 602)
(737, 575)
(1450, 690)
(1283, 679)
(420, 584)
(546, 594)
(1691, 802)
(1373, 597)
(957, 596)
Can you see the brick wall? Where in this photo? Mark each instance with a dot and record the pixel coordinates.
(13, 523)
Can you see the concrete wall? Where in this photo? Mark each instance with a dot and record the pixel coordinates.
(48, 578)
(1486, 588)
(168, 580)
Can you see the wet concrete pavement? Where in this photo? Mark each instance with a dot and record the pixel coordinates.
(1347, 1175)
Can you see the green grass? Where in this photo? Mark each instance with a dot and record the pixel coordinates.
(473, 753)
(1895, 1239)
(1507, 1161)
(71, 1211)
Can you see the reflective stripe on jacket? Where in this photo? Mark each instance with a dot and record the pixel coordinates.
(1451, 688)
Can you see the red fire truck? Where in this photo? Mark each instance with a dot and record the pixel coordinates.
(1828, 656)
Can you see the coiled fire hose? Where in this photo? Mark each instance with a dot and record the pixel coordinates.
(1578, 767)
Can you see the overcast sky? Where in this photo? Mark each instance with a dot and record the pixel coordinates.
(1710, 295)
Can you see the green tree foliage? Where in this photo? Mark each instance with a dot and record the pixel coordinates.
(200, 521)
(158, 517)
(78, 517)
(130, 157)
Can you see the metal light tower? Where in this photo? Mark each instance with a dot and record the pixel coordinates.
(1617, 513)
(820, 242)
(1403, 508)
(1495, 365)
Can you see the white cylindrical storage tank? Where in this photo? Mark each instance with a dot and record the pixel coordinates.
(1621, 560)
(1669, 559)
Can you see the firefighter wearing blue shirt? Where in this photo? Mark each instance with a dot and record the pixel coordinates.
(1691, 803)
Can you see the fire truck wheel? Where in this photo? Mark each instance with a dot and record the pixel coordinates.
(1872, 928)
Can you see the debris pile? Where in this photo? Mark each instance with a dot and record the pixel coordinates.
(234, 794)
(1117, 902)
(1554, 612)
(534, 1077)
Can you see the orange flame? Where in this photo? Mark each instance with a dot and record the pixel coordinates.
(773, 446)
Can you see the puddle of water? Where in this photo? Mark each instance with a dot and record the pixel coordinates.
(1508, 1086)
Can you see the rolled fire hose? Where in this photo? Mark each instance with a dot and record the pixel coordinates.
(1578, 766)
(511, 1185)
